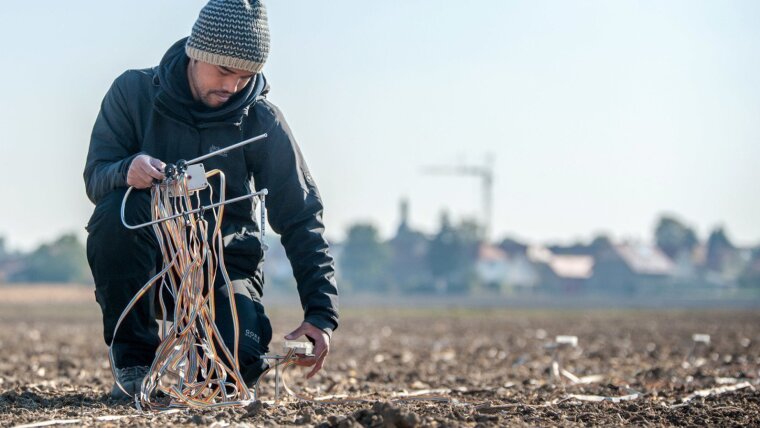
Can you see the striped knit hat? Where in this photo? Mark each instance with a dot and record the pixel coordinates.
(231, 33)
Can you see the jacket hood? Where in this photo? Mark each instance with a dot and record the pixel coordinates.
(175, 98)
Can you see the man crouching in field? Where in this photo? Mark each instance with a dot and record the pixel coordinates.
(208, 92)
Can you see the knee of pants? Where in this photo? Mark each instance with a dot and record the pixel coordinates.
(255, 337)
(254, 328)
(112, 248)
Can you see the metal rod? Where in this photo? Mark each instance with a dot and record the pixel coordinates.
(226, 149)
(262, 192)
(276, 383)
(263, 208)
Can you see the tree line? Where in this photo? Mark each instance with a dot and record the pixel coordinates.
(62, 260)
(446, 260)
(411, 261)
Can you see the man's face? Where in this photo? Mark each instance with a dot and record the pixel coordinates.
(214, 85)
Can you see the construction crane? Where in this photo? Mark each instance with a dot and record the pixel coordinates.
(485, 173)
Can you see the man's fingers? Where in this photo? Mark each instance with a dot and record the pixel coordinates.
(152, 172)
(138, 180)
(158, 175)
(156, 163)
(321, 343)
(318, 365)
(320, 351)
(317, 368)
(143, 170)
(306, 361)
(143, 180)
(295, 334)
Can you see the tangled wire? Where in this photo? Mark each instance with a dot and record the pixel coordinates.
(193, 367)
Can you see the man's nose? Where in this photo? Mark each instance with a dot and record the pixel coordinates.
(231, 85)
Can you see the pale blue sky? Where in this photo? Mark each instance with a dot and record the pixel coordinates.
(601, 114)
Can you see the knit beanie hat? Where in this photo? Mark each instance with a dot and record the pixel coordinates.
(231, 33)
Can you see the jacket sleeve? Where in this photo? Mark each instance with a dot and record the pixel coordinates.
(113, 145)
(294, 209)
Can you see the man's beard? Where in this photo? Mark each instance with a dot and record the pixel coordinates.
(216, 99)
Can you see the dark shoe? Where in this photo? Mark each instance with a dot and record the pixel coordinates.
(131, 379)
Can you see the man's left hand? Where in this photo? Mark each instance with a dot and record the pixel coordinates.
(321, 341)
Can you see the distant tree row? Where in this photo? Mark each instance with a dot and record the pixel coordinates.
(446, 261)
(63, 260)
(410, 261)
(678, 240)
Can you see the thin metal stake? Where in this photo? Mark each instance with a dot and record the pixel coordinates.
(276, 383)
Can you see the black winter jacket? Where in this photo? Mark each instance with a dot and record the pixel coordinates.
(152, 111)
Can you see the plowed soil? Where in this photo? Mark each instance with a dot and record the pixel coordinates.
(443, 367)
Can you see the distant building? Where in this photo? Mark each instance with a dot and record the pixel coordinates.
(570, 273)
(499, 270)
(513, 247)
(567, 273)
(644, 259)
(629, 267)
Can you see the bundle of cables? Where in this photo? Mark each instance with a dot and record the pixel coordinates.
(193, 367)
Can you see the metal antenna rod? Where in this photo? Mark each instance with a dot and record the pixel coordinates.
(226, 149)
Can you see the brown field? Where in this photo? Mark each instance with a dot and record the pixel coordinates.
(478, 367)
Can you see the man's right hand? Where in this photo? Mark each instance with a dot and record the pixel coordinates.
(143, 170)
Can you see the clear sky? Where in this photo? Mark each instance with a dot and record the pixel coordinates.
(600, 114)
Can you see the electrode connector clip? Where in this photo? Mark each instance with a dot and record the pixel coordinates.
(300, 348)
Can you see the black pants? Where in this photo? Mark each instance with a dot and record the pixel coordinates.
(123, 260)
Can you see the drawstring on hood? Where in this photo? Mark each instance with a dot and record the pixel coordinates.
(176, 100)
